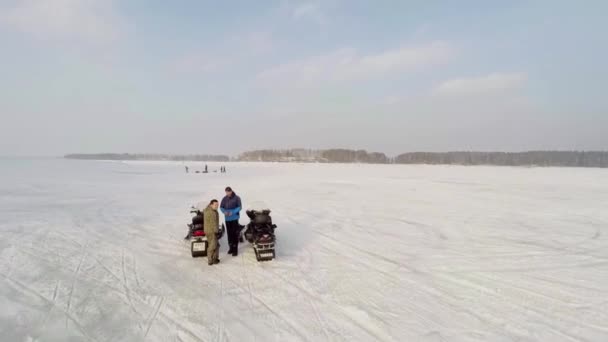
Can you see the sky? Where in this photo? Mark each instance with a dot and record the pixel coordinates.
(194, 76)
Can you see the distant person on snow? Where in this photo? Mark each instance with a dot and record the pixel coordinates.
(186, 169)
(231, 207)
(205, 168)
(212, 224)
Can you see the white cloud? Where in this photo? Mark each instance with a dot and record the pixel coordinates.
(309, 9)
(492, 83)
(219, 56)
(199, 62)
(90, 20)
(315, 11)
(257, 42)
(348, 65)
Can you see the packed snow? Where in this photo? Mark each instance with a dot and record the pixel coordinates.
(94, 251)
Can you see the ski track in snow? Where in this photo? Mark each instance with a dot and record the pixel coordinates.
(92, 251)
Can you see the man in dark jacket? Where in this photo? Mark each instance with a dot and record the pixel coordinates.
(231, 207)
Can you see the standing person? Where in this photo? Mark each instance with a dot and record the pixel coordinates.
(212, 224)
(231, 207)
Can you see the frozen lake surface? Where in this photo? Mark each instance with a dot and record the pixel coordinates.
(93, 251)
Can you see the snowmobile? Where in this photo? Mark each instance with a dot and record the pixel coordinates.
(196, 234)
(260, 233)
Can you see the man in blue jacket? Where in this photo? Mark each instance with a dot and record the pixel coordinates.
(231, 207)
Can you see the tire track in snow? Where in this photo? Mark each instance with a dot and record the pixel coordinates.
(127, 299)
(220, 326)
(396, 281)
(514, 287)
(125, 283)
(48, 313)
(312, 297)
(248, 282)
(129, 302)
(315, 309)
(462, 282)
(55, 291)
(249, 290)
(19, 286)
(423, 226)
(160, 302)
(181, 326)
(389, 277)
(75, 277)
(350, 244)
(490, 319)
(53, 266)
(577, 287)
(135, 274)
(482, 319)
(122, 264)
(260, 301)
(312, 301)
(523, 269)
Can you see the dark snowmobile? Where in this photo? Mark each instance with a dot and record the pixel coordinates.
(260, 233)
(196, 234)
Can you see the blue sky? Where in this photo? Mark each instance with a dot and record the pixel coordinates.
(223, 77)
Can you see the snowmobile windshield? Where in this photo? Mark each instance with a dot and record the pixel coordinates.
(258, 206)
(201, 205)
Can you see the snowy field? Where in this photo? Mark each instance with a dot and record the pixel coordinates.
(93, 251)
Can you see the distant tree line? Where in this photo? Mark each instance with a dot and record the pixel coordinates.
(277, 156)
(532, 158)
(351, 156)
(316, 156)
(149, 156)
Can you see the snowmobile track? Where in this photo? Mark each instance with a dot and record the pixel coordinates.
(17, 285)
(399, 253)
(151, 320)
(194, 336)
(75, 277)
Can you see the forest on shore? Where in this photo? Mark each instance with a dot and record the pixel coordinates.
(530, 158)
(148, 156)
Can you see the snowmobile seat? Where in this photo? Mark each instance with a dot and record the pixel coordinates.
(198, 219)
(262, 219)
